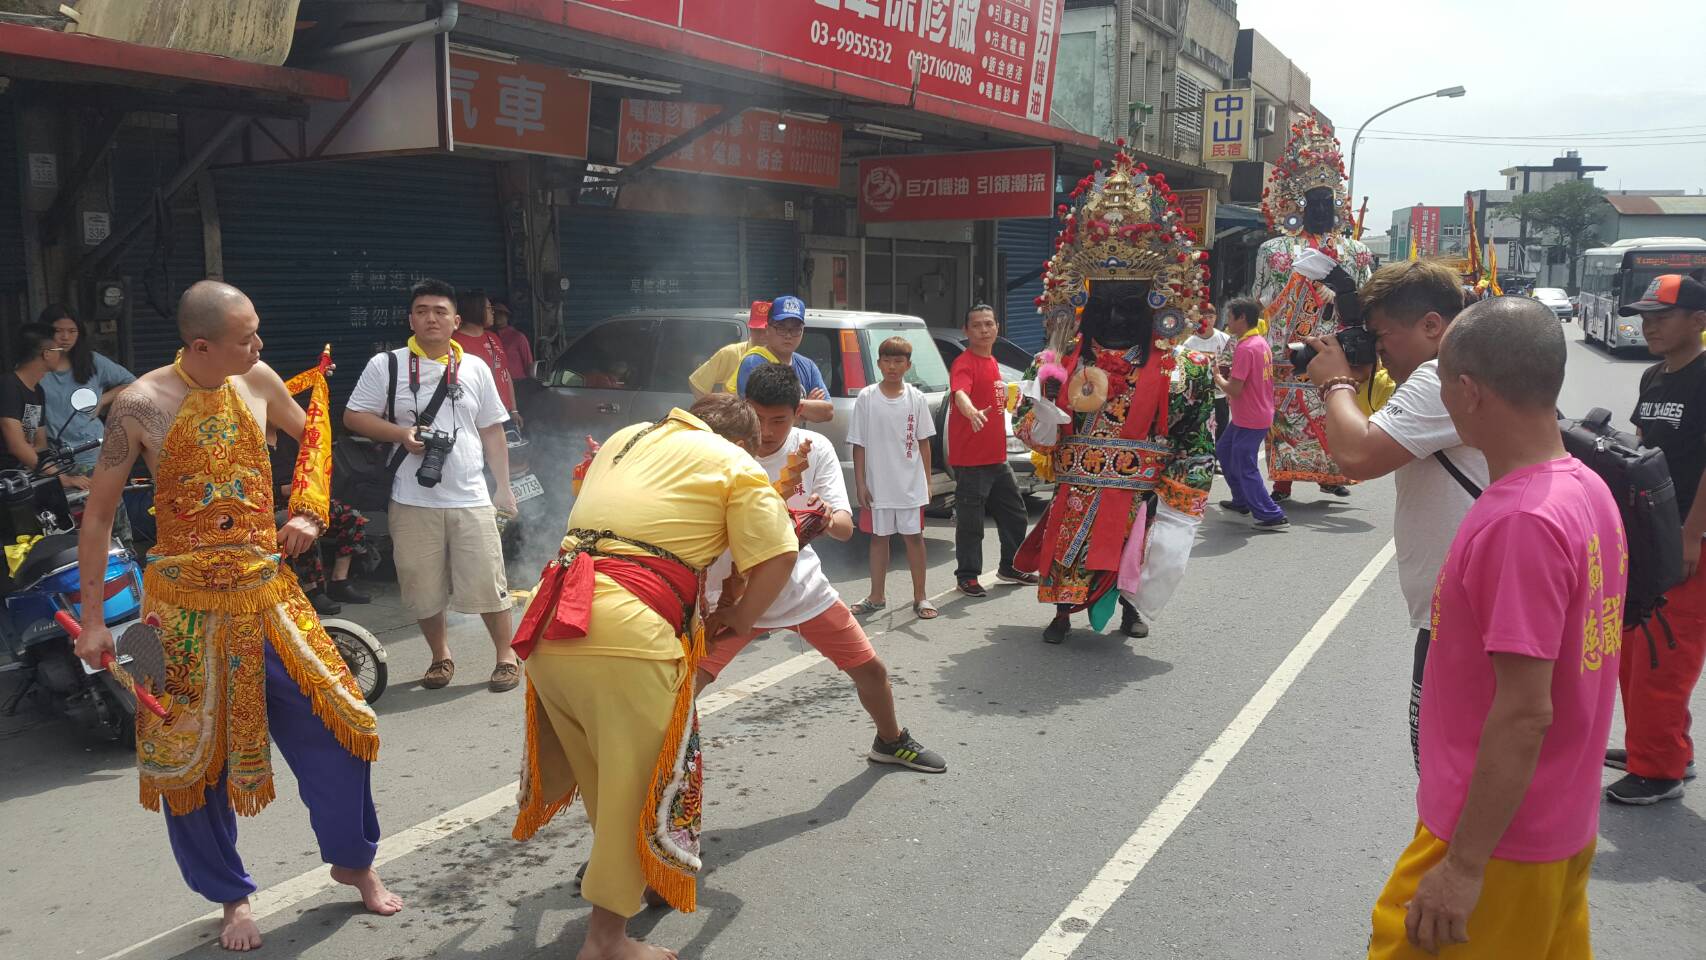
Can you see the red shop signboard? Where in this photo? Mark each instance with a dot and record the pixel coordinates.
(985, 185)
(748, 147)
(997, 54)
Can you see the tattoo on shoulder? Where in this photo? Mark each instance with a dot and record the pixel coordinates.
(134, 422)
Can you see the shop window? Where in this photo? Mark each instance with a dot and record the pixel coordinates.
(683, 345)
(613, 356)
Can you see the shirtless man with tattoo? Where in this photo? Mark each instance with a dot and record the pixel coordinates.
(247, 661)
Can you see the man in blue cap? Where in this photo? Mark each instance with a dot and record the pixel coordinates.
(787, 329)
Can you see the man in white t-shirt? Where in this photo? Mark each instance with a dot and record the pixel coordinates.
(809, 605)
(1407, 306)
(1219, 344)
(445, 532)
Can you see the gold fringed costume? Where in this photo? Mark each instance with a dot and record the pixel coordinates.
(216, 592)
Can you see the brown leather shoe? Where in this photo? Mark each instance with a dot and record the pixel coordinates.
(439, 674)
(505, 676)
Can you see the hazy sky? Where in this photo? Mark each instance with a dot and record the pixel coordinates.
(1603, 73)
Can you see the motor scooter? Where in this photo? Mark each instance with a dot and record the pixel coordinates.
(530, 500)
(36, 518)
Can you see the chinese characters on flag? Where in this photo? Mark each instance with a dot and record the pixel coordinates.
(1424, 226)
(986, 185)
(749, 146)
(518, 106)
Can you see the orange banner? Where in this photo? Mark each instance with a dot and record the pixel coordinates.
(523, 107)
(311, 485)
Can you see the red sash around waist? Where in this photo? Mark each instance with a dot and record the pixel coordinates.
(561, 609)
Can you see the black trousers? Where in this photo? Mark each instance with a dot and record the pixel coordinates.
(1222, 416)
(1421, 660)
(988, 489)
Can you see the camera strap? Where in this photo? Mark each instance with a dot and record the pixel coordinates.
(433, 403)
(1468, 485)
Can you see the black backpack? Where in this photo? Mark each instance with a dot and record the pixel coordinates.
(1639, 480)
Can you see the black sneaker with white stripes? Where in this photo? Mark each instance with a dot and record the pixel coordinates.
(907, 752)
(1619, 760)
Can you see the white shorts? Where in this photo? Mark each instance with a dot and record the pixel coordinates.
(883, 522)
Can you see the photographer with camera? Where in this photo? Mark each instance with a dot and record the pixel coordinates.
(442, 519)
(1399, 317)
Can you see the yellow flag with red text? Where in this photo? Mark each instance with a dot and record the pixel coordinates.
(311, 484)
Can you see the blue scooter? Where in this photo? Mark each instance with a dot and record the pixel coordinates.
(45, 582)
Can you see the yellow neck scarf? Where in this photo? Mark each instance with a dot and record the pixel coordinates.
(1259, 330)
(455, 351)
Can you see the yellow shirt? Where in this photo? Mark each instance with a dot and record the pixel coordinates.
(716, 371)
(732, 385)
(687, 490)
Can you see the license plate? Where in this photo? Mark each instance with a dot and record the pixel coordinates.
(526, 487)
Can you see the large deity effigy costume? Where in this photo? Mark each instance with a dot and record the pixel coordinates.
(1120, 411)
(1306, 203)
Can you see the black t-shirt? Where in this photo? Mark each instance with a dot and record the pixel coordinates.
(1671, 415)
(23, 404)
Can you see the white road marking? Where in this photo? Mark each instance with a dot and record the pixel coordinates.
(282, 896)
(1068, 930)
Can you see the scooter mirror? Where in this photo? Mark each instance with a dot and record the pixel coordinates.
(84, 400)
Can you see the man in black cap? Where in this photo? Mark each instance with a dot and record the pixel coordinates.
(1670, 415)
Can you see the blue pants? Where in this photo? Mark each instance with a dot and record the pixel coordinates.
(335, 786)
(1237, 449)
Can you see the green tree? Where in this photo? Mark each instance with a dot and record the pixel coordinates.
(1570, 211)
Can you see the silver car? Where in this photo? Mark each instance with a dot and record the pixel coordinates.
(634, 367)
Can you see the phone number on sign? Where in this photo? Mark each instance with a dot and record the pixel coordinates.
(852, 41)
(930, 65)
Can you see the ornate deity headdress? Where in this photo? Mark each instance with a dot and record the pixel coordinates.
(1124, 224)
(1312, 159)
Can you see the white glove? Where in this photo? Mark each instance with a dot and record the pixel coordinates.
(1046, 415)
(1313, 264)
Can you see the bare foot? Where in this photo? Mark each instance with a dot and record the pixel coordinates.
(374, 896)
(626, 948)
(238, 931)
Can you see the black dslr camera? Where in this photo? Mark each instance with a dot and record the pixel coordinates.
(1354, 338)
(438, 446)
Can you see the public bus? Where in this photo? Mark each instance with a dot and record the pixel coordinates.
(1615, 275)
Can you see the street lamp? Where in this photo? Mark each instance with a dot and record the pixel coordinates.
(1350, 181)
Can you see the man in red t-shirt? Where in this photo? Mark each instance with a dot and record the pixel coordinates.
(475, 312)
(977, 451)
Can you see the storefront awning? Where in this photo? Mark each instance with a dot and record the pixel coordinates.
(1229, 216)
(38, 53)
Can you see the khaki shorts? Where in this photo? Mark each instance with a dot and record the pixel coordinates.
(448, 556)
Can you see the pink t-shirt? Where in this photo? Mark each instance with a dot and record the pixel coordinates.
(1538, 569)
(1253, 363)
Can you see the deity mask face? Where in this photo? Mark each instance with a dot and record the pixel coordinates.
(1319, 211)
(1118, 315)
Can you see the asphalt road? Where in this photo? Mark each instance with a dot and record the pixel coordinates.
(1237, 796)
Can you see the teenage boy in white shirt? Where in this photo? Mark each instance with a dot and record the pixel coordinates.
(890, 434)
(809, 605)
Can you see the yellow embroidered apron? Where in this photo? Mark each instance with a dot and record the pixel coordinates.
(216, 591)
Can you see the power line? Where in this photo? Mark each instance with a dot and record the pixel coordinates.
(1547, 136)
(1532, 145)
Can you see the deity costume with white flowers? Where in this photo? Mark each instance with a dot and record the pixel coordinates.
(245, 660)
(1121, 413)
(1306, 203)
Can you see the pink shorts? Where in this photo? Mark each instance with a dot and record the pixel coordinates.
(833, 633)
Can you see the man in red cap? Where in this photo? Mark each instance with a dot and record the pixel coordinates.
(717, 371)
(1658, 679)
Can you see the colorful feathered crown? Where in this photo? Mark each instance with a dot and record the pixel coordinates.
(1312, 159)
(1125, 224)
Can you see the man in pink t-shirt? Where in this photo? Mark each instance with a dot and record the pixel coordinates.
(1249, 387)
(1521, 677)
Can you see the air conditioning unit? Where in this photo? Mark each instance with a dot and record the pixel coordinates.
(1267, 118)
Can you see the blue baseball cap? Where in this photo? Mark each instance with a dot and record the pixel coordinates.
(788, 308)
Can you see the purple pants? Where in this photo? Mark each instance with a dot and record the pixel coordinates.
(335, 786)
(1238, 449)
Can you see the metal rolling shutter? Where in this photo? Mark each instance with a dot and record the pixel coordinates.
(621, 262)
(328, 251)
(164, 259)
(772, 259)
(14, 279)
(1026, 243)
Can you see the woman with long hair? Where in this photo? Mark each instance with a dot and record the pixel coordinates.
(75, 365)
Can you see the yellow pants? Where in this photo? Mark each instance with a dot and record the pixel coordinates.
(610, 713)
(1527, 911)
